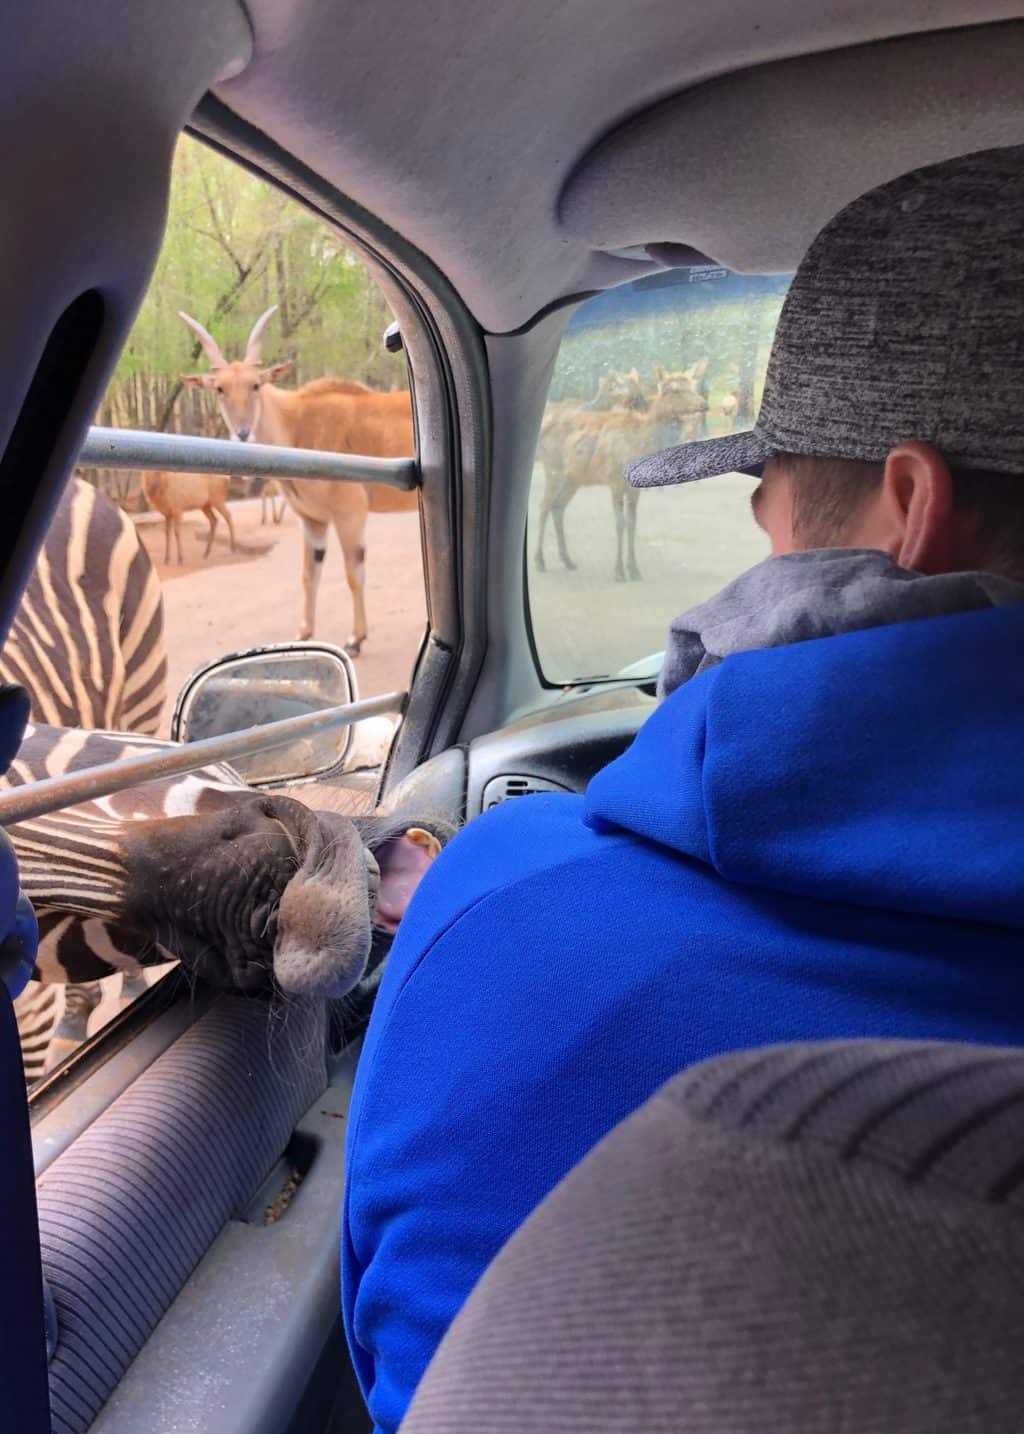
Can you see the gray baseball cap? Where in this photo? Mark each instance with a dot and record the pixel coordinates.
(905, 320)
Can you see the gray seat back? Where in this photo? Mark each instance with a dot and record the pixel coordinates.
(808, 1239)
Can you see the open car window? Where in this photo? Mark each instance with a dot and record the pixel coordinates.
(664, 360)
(147, 576)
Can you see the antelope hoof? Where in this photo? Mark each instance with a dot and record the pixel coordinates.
(354, 646)
(635, 575)
(620, 576)
(539, 563)
(569, 565)
(305, 633)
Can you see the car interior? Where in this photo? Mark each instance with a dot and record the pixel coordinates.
(498, 169)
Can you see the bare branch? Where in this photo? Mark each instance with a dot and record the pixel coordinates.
(219, 235)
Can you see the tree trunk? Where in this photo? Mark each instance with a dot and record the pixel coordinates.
(749, 360)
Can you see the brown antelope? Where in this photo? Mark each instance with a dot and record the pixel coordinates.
(590, 446)
(173, 494)
(269, 492)
(680, 403)
(565, 431)
(332, 414)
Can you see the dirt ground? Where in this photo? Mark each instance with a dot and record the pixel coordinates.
(690, 541)
(254, 595)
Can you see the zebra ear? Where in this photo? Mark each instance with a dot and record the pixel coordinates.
(200, 380)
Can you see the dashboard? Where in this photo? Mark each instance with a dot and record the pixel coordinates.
(557, 748)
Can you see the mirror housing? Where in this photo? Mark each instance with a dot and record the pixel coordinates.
(248, 689)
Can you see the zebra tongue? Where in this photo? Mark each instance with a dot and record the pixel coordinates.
(402, 863)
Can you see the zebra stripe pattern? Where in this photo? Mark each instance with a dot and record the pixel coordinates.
(38, 1011)
(72, 860)
(87, 642)
(53, 1021)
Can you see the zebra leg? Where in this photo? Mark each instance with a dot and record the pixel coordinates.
(37, 1011)
(72, 1029)
(133, 985)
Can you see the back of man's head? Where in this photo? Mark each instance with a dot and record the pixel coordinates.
(832, 497)
(902, 334)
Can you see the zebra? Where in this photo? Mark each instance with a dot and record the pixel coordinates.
(87, 644)
(249, 890)
(87, 641)
(84, 962)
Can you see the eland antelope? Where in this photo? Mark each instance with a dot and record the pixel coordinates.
(333, 415)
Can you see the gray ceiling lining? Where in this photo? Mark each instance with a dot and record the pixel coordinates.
(459, 123)
(828, 128)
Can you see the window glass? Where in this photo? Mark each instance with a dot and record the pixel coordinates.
(146, 577)
(234, 246)
(669, 358)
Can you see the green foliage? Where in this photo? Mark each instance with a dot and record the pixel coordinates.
(234, 246)
(735, 337)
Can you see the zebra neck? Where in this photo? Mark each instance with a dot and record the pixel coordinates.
(77, 880)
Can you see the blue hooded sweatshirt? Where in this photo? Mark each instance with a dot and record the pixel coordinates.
(812, 841)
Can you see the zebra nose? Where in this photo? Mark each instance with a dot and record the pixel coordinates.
(242, 434)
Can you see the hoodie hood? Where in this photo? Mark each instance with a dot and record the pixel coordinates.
(818, 593)
(881, 768)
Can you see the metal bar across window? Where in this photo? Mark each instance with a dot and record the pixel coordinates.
(34, 799)
(182, 453)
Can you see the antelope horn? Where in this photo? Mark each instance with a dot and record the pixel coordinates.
(209, 343)
(254, 348)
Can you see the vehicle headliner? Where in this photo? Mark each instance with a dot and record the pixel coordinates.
(460, 125)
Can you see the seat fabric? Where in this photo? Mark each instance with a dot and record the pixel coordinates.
(813, 1239)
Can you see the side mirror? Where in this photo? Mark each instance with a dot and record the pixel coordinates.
(267, 684)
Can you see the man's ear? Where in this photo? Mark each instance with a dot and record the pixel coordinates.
(200, 380)
(276, 371)
(917, 508)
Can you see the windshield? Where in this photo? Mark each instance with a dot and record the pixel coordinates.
(671, 357)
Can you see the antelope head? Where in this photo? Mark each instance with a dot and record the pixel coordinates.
(237, 384)
(679, 393)
(621, 390)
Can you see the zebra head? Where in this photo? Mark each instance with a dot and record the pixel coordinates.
(263, 890)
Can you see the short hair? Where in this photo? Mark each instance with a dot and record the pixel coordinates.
(829, 492)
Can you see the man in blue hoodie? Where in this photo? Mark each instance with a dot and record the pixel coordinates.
(820, 831)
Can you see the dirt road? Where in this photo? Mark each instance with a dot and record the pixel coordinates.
(690, 541)
(254, 596)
